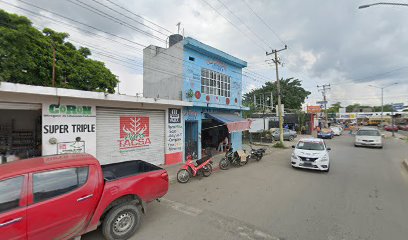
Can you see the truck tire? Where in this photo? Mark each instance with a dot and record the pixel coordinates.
(121, 222)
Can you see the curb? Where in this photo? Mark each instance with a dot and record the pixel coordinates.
(405, 164)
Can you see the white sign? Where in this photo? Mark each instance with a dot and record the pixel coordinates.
(72, 125)
(282, 110)
(174, 132)
(257, 124)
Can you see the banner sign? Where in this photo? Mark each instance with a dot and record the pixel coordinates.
(134, 132)
(313, 109)
(70, 125)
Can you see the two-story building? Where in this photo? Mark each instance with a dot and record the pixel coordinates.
(192, 71)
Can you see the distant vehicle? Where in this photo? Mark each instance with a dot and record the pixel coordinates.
(325, 133)
(403, 127)
(337, 131)
(287, 135)
(311, 153)
(66, 196)
(367, 136)
(391, 128)
(377, 120)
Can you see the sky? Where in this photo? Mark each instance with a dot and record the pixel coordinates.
(333, 42)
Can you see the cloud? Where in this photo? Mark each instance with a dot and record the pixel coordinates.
(329, 41)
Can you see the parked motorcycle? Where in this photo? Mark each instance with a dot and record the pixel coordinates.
(256, 154)
(193, 168)
(232, 158)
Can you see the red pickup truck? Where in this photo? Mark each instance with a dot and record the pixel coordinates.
(65, 196)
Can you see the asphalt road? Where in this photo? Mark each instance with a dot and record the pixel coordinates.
(364, 196)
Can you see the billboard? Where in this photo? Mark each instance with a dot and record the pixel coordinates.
(313, 109)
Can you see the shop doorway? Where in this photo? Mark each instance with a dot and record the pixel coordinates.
(20, 134)
(213, 133)
(191, 139)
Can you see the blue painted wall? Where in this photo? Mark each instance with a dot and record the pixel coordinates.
(192, 79)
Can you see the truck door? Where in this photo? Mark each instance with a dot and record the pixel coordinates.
(13, 209)
(62, 202)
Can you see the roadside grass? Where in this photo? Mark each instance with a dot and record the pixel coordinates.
(279, 145)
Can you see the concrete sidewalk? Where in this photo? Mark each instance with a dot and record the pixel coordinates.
(173, 169)
(217, 156)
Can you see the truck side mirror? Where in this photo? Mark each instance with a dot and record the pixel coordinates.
(329, 148)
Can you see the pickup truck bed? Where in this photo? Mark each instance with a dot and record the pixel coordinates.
(120, 170)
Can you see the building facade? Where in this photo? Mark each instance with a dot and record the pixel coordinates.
(38, 121)
(208, 78)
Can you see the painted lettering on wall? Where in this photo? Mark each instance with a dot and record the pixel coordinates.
(68, 128)
(69, 109)
(134, 133)
(71, 147)
(217, 65)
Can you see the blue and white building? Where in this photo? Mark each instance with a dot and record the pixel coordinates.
(211, 79)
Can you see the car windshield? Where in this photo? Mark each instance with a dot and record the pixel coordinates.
(310, 146)
(368, 133)
(325, 130)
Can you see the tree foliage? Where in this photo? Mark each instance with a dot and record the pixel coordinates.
(387, 107)
(335, 107)
(293, 95)
(26, 56)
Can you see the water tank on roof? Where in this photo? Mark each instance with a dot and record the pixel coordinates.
(175, 38)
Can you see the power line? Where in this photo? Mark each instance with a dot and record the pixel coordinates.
(263, 49)
(243, 23)
(141, 23)
(125, 9)
(267, 25)
(94, 28)
(112, 18)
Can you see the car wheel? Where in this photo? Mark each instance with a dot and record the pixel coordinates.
(121, 222)
(327, 170)
(291, 138)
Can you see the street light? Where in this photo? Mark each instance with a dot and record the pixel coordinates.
(382, 3)
(382, 100)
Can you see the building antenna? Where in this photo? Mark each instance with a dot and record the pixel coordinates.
(178, 27)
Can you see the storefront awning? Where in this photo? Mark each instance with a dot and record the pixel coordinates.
(234, 123)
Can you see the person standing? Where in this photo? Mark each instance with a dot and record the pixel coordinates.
(223, 144)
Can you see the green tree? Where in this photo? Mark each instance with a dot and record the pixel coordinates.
(334, 108)
(293, 95)
(26, 56)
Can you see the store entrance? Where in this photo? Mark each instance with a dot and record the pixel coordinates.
(191, 139)
(213, 134)
(20, 134)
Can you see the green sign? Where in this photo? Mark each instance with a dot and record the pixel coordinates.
(70, 109)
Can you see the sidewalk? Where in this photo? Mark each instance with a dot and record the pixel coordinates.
(173, 169)
(217, 156)
(397, 135)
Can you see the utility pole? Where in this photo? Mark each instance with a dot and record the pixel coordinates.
(277, 62)
(324, 88)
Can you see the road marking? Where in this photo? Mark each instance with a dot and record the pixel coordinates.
(228, 224)
(182, 207)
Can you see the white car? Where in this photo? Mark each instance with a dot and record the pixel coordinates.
(337, 131)
(311, 153)
(369, 137)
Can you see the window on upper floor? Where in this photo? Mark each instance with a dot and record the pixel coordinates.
(215, 83)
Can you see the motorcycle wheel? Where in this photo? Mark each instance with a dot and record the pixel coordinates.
(224, 164)
(259, 157)
(207, 170)
(183, 176)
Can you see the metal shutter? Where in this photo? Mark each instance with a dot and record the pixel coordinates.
(108, 136)
(20, 106)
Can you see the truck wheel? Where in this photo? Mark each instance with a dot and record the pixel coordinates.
(183, 176)
(121, 222)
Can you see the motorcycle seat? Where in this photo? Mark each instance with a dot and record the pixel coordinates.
(202, 160)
